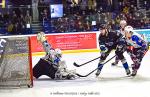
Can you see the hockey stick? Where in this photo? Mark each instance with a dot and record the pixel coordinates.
(77, 65)
(95, 69)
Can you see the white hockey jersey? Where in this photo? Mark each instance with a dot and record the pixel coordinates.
(137, 41)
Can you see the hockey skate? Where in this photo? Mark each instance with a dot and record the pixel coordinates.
(97, 73)
(114, 64)
(128, 71)
(134, 72)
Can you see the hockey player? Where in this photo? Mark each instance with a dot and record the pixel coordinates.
(123, 24)
(109, 40)
(140, 47)
(51, 65)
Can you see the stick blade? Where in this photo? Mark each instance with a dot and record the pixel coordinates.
(80, 75)
(75, 64)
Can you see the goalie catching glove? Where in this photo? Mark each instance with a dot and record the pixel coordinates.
(41, 37)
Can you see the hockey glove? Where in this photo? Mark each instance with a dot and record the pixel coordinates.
(109, 43)
(41, 37)
(103, 48)
(129, 49)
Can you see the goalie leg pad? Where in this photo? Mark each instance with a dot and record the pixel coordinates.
(63, 73)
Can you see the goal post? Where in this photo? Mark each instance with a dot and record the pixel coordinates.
(15, 62)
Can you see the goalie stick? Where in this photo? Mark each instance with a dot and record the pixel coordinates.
(77, 65)
(95, 69)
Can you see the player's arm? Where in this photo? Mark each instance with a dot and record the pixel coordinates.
(47, 47)
(119, 35)
(102, 44)
(42, 38)
(139, 41)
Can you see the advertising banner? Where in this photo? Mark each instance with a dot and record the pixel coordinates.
(67, 42)
(145, 32)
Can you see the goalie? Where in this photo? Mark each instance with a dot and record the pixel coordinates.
(51, 64)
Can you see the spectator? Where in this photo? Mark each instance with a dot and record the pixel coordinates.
(84, 5)
(6, 17)
(10, 27)
(28, 22)
(1, 20)
(41, 7)
(91, 5)
(14, 18)
(79, 15)
(28, 18)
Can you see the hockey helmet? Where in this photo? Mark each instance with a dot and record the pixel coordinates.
(52, 52)
(58, 52)
(123, 22)
(128, 29)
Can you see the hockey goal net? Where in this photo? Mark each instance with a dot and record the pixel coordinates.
(15, 62)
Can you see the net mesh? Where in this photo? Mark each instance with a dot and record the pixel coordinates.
(14, 62)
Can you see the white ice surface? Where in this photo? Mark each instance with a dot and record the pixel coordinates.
(111, 83)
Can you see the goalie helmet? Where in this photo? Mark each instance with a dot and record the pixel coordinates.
(52, 51)
(128, 29)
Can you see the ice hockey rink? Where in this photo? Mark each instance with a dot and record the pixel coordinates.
(112, 81)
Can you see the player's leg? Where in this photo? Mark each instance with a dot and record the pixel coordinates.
(38, 69)
(101, 61)
(49, 69)
(121, 47)
(124, 62)
(116, 61)
(137, 57)
(43, 67)
(136, 64)
(125, 65)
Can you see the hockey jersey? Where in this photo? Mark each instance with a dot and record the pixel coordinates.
(137, 41)
(111, 39)
(122, 32)
(50, 53)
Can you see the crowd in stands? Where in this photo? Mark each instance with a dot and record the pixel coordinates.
(15, 23)
(88, 15)
(84, 15)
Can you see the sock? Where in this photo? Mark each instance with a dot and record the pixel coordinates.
(125, 65)
(100, 66)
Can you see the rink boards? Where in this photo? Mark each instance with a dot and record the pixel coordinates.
(78, 42)
(110, 83)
